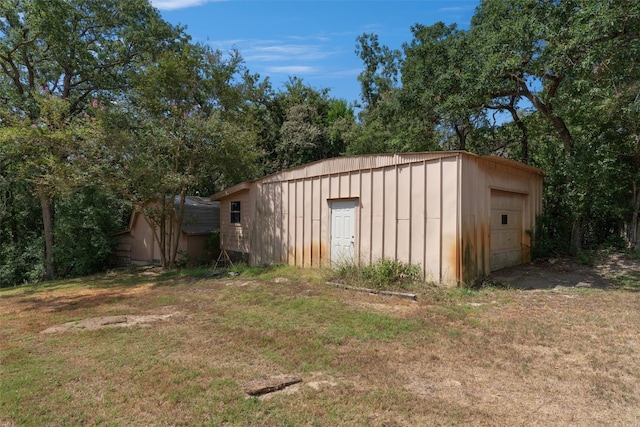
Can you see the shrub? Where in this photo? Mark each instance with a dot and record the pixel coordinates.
(85, 223)
(21, 261)
(384, 274)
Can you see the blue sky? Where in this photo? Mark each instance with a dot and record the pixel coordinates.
(311, 39)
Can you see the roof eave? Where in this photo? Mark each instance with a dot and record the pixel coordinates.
(231, 190)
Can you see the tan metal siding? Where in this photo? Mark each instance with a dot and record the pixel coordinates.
(475, 226)
(365, 225)
(433, 232)
(481, 176)
(341, 165)
(417, 213)
(316, 236)
(144, 247)
(449, 220)
(325, 220)
(284, 255)
(430, 209)
(259, 238)
(307, 236)
(403, 213)
(299, 216)
(376, 198)
(390, 215)
(235, 237)
(278, 223)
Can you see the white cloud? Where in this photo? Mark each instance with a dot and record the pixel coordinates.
(457, 8)
(274, 50)
(286, 51)
(292, 69)
(347, 73)
(179, 4)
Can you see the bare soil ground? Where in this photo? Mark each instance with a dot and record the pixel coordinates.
(616, 270)
(559, 346)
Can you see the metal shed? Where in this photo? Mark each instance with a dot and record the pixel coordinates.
(457, 215)
(137, 246)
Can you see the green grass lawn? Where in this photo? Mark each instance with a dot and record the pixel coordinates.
(485, 357)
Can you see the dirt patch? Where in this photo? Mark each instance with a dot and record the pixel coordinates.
(604, 272)
(108, 322)
(377, 303)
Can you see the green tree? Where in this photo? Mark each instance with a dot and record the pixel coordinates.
(568, 60)
(301, 124)
(182, 133)
(561, 73)
(87, 220)
(56, 56)
(381, 69)
(39, 151)
(391, 122)
(20, 222)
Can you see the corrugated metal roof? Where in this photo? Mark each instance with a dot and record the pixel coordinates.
(201, 215)
(512, 163)
(337, 165)
(231, 190)
(346, 164)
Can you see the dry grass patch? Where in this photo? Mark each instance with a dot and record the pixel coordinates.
(487, 357)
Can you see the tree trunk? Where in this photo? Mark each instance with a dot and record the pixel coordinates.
(462, 137)
(170, 235)
(179, 217)
(47, 219)
(164, 262)
(563, 131)
(576, 236)
(633, 227)
(524, 138)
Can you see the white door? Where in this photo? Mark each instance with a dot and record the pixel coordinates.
(343, 236)
(506, 229)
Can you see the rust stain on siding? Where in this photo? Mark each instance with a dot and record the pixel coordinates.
(483, 248)
(450, 259)
(415, 217)
(473, 255)
(314, 255)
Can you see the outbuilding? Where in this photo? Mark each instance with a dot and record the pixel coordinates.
(457, 215)
(138, 246)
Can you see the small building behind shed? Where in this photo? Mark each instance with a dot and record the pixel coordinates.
(137, 245)
(457, 215)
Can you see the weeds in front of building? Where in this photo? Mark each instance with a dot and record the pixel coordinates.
(385, 274)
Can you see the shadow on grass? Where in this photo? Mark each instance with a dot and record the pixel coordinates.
(116, 286)
(95, 290)
(612, 271)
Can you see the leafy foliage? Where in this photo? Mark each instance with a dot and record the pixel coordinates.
(300, 124)
(561, 78)
(56, 57)
(21, 250)
(104, 97)
(385, 274)
(88, 219)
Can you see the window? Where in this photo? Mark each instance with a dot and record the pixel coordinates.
(235, 212)
(505, 219)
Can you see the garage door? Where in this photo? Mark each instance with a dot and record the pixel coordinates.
(506, 229)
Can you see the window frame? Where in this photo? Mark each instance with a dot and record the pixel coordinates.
(235, 215)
